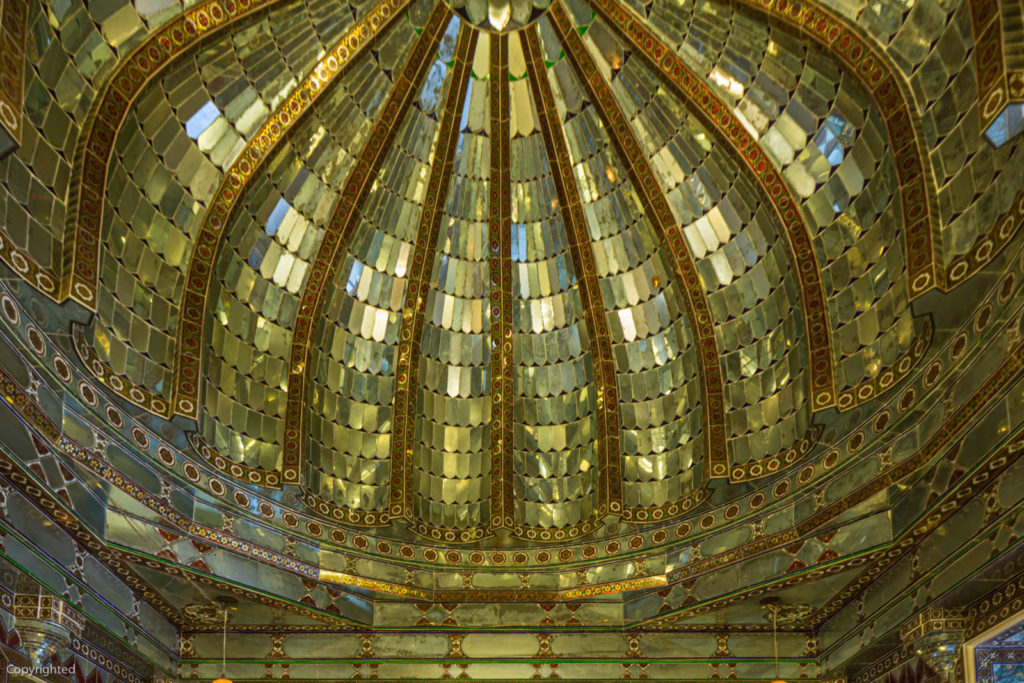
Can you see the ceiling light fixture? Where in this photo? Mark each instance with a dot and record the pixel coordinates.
(225, 604)
(772, 606)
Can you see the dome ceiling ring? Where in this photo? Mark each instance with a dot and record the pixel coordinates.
(1003, 377)
(988, 392)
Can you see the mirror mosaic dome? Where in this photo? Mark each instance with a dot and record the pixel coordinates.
(505, 284)
(495, 284)
(378, 288)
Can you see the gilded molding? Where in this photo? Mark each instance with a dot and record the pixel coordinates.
(872, 388)
(260, 148)
(581, 253)
(420, 272)
(708, 106)
(230, 468)
(499, 211)
(337, 234)
(49, 608)
(375, 585)
(889, 662)
(81, 249)
(665, 511)
(998, 605)
(657, 211)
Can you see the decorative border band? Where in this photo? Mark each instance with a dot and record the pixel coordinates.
(499, 261)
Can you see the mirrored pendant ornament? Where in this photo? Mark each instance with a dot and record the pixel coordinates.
(500, 15)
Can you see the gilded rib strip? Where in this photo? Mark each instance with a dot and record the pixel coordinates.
(500, 267)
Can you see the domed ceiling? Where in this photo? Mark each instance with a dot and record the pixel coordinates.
(500, 282)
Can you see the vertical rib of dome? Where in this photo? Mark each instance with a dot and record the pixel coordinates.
(582, 254)
(262, 145)
(659, 214)
(343, 221)
(709, 107)
(410, 337)
(500, 268)
(81, 244)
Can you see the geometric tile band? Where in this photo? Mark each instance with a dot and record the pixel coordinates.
(951, 430)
